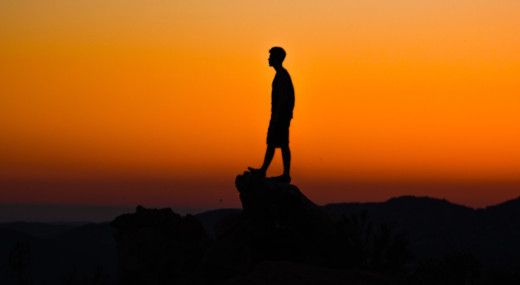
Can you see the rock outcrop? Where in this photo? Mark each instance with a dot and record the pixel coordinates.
(282, 224)
(159, 247)
(278, 225)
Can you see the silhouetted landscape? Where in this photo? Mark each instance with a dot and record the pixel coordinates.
(279, 237)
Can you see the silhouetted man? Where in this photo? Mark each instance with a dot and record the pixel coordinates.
(282, 105)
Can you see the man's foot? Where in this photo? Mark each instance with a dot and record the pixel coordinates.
(281, 178)
(257, 171)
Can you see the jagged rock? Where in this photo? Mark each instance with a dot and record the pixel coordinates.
(159, 247)
(282, 224)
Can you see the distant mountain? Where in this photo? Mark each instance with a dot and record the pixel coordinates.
(436, 227)
(509, 209)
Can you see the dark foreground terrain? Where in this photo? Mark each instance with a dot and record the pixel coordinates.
(280, 237)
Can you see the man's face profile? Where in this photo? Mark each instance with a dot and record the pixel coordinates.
(271, 59)
(274, 60)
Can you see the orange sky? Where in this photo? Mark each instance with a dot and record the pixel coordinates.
(164, 102)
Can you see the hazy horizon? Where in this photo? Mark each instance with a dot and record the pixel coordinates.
(67, 213)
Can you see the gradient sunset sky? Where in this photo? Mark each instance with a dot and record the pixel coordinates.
(163, 103)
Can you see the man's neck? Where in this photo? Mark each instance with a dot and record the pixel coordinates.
(278, 67)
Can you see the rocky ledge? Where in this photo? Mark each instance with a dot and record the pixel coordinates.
(278, 228)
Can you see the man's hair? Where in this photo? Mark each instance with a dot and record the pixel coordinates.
(278, 53)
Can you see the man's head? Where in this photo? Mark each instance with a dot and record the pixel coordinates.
(276, 56)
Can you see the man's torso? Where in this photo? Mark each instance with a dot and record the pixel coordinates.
(282, 96)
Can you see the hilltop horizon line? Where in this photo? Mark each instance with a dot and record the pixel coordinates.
(74, 213)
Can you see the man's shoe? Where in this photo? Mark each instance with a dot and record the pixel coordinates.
(257, 171)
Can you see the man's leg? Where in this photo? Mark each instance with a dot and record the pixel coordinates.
(286, 156)
(269, 153)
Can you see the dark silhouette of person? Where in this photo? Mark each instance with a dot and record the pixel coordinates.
(282, 105)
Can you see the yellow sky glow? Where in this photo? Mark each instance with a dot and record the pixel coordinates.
(385, 91)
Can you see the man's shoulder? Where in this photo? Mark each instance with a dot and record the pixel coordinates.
(283, 75)
(285, 72)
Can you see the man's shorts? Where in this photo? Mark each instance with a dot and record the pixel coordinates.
(278, 133)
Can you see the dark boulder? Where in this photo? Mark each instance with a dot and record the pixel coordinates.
(159, 247)
(280, 223)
